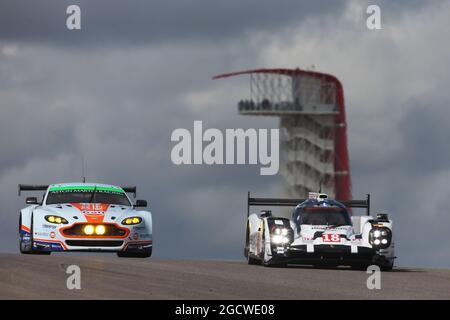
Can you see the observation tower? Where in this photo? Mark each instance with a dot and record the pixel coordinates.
(313, 138)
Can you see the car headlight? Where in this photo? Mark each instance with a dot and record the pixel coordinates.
(279, 239)
(280, 236)
(89, 230)
(282, 231)
(98, 230)
(380, 237)
(56, 219)
(132, 220)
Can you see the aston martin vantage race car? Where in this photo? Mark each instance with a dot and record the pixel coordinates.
(85, 217)
(320, 232)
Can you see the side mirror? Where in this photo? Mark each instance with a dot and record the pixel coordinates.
(266, 213)
(31, 200)
(382, 217)
(140, 204)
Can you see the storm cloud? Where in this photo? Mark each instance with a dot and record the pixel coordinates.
(114, 91)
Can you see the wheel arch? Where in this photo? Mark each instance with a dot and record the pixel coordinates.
(25, 218)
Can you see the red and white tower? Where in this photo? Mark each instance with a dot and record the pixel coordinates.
(313, 139)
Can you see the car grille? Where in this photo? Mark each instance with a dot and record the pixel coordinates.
(111, 230)
(94, 243)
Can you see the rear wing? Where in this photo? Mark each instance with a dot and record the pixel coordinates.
(32, 187)
(130, 189)
(44, 187)
(284, 202)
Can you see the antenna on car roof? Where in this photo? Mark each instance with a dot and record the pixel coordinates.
(82, 170)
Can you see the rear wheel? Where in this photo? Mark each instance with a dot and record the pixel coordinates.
(146, 253)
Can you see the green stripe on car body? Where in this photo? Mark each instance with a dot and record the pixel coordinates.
(86, 188)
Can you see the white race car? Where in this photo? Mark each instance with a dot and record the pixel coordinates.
(85, 217)
(320, 232)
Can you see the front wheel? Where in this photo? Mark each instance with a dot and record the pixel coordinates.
(275, 265)
(387, 267)
(146, 253)
(359, 266)
(252, 261)
(26, 245)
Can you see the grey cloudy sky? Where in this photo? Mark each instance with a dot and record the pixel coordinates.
(114, 91)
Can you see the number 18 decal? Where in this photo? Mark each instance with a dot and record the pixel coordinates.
(331, 237)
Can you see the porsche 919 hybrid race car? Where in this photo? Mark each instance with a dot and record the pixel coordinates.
(85, 217)
(321, 232)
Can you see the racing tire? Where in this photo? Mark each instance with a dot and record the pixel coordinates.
(275, 264)
(147, 253)
(24, 249)
(252, 261)
(359, 266)
(325, 266)
(387, 267)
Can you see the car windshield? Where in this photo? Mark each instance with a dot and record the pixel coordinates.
(87, 195)
(325, 216)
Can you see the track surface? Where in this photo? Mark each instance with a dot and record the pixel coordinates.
(108, 277)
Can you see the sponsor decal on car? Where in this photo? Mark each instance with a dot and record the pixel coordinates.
(48, 226)
(41, 234)
(85, 188)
